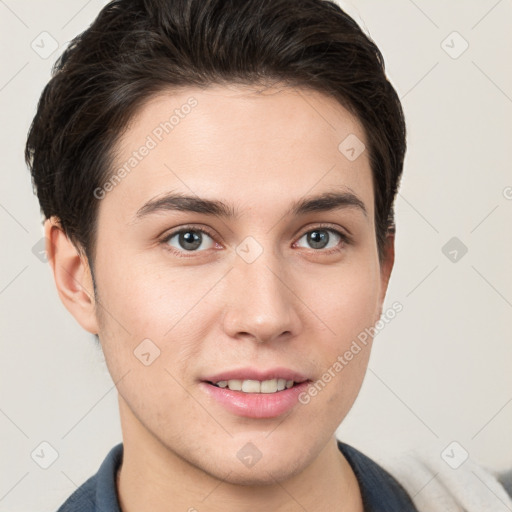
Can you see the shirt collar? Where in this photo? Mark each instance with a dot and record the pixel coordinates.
(380, 491)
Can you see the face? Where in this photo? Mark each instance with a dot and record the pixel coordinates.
(267, 272)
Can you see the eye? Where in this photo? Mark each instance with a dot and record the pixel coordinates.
(323, 238)
(189, 240)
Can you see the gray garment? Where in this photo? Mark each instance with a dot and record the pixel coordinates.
(505, 479)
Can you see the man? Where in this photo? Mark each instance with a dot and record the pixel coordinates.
(218, 181)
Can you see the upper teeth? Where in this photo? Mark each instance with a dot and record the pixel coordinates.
(256, 386)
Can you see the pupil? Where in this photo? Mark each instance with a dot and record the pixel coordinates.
(190, 240)
(318, 239)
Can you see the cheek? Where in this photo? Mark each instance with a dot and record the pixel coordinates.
(348, 302)
(148, 299)
(347, 307)
(148, 309)
(146, 341)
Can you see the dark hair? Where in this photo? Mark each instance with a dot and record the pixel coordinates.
(137, 48)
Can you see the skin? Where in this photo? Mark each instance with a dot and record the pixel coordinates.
(295, 306)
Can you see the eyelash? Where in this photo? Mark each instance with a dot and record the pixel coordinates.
(344, 239)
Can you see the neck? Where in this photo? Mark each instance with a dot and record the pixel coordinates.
(154, 478)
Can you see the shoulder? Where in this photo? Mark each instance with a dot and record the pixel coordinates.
(448, 479)
(99, 491)
(380, 491)
(83, 499)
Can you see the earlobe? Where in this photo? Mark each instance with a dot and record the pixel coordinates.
(72, 275)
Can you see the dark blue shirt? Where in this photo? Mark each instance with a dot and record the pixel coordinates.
(380, 491)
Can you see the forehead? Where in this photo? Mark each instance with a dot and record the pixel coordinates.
(240, 144)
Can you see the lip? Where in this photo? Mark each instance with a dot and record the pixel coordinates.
(257, 374)
(255, 405)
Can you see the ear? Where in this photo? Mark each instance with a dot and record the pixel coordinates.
(386, 266)
(72, 275)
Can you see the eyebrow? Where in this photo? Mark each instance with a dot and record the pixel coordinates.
(324, 202)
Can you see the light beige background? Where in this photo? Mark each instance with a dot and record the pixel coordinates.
(440, 372)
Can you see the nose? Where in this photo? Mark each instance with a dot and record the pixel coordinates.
(260, 301)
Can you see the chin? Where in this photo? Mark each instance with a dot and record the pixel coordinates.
(269, 466)
(276, 470)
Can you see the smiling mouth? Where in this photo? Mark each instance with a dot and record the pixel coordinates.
(255, 386)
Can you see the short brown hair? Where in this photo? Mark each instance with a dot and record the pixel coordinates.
(137, 48)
